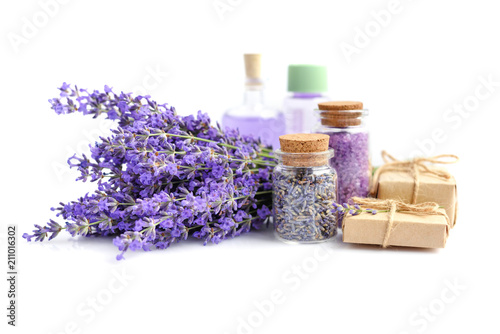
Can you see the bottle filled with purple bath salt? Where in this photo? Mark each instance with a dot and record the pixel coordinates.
(307, 85)
(345, 123)
(254, 118)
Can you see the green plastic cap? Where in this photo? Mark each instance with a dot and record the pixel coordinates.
(307, 78)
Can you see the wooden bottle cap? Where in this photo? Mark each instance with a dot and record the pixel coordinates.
(252, 65)
(304, 148)
(341, 114)
(304, 142)
(340, 105)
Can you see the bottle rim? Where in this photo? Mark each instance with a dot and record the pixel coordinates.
(342, 118)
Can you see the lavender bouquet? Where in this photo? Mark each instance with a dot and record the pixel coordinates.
(162, 177)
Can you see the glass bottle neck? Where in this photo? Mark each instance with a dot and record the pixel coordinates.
(254, 95)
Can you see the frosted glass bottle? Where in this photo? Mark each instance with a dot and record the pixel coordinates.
(307, 85)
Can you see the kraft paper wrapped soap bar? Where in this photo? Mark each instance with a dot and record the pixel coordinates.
(422, 225)
(417, 181)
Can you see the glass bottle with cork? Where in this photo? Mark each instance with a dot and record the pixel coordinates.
(304, 189)
(345, 124)
(254, 118)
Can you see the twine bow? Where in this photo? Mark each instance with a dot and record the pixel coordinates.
(426, 208)
(414, 167)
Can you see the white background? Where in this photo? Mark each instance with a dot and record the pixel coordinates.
(430, 57)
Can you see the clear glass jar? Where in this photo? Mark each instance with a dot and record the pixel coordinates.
(345, 123)
(305, 187)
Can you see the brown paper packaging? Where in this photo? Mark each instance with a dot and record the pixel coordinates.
(399, 186)
(409, 230)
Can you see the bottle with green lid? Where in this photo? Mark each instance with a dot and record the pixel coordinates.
(307, 86)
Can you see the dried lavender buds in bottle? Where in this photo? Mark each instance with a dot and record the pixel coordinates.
(305, 188)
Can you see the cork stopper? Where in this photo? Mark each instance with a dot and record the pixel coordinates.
(341, 114)
(252, 68)
(304, 143)
(305, 149)
(340, 105)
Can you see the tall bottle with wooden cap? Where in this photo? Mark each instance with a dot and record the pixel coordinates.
(345, 124)
(304, 189)
(254, 118)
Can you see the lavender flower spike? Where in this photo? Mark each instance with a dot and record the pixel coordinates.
(160, 177)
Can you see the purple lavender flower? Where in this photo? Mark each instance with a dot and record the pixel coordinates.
(263, 212)
(161, 177)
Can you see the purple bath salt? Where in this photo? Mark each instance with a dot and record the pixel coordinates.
(352, 162)
(345, 123)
